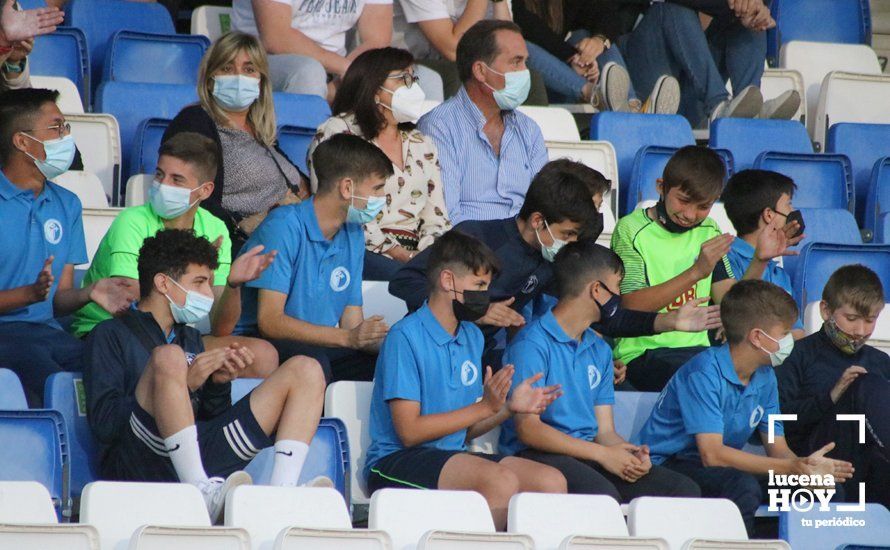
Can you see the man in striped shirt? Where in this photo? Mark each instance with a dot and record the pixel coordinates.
(488, 151)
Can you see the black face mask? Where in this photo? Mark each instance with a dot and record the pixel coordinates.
(594, 227)
(667, 222)
(611, 307)
(474, 306)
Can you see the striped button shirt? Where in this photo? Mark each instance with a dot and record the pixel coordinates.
(480, 185)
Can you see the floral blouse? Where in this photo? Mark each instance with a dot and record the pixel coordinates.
(415, 212)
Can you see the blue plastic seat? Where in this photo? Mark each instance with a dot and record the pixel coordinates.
(630, 132)
(883, 236)
(12, 394)
(294, 141)
(844, 21)
(174, 59)
(631, 410)
(64, 392)
(824, 225)
(133, 102)
(63, 53)
(747, 138)
(873, 533)
(863, 144)
(300, 110)
(877, 202)
(100, 19)
(819, 260)
(34, 447)
(144, 156)
(823, 181)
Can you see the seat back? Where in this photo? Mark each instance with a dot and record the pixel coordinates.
(376, 300)
(631, 410)
(462, 540)
(12, 394)
(137, 189)
(144, 155)
(406, 514)
(294, 141)
(882, 233)
(63, 53)
(100, 19)
(823, 180)
(549, 519)
(776, 82)
(556, 123)
(96, 222)
(862, 143)
(599, 155)
(850, 97)
(174, 57)
(351, 403)
(98, 138)
(301, 538)
(843, 21)
(872, 532)
(25, 502)
(86, 186)
(679, 519)
(34, 447)
(748, 138)
(264, 511)
(819, 260)
(152, 537)
(69, 96)
(211, 21)
(824, 225)
(65, 393)
(628, 133)
(300, 110)
(117, 509)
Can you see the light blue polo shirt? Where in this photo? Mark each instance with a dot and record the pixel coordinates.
(740, 255)
(320, 277)
(420, 361)
(706, 396)
(35, 228)
(584, 368)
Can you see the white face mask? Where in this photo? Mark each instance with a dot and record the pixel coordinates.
(786, 344)
(550, 252)
(407, 103)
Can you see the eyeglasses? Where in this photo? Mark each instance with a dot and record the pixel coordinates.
(61, 129)
(406, 77)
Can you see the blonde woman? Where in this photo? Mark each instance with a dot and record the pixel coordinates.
(235, 111)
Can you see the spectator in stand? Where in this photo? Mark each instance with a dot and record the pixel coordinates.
(380, 101)
(488, 151)
(15, 73)
(235, 111)
(670, 40)
(588, 65)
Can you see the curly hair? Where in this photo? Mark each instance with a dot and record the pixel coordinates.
(170, 252)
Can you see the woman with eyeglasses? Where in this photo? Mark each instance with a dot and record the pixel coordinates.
(380, 100)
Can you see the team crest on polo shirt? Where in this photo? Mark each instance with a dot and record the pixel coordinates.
(593, 376)
(52, 231)
(756, 416)
(468, 373)
(530, 285)
(340, 279)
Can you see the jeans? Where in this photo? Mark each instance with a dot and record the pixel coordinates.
(669, 40)
(34, 351)
(379, 267)
(298, 74)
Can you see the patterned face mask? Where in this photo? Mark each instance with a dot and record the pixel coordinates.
(845, 342)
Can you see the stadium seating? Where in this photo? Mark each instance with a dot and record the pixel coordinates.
(294, 141)
(154, 537)
(849, 97)
(824, 225)
(376, 300)
(86, 186)
(211, 21)
(25, 502)
(873, 533)
(174, 57)
(137, 189)
(454, 540)
(28, 522)
(64, 53)
(823, 180)
(884, 225)
(864, 145)
(12, 395)
(631, 411)
(300, 110)
(775, 82)
(629, 132)
(100, 19)
(144, 155)
(96, 222)
(69, 96)
(556, 123)
(351, 403)
(818, 261)
(302, 538)
(748, 138)
(843, 21)
(98, 138)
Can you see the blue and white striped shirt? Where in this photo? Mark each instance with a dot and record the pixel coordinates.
(479, 185)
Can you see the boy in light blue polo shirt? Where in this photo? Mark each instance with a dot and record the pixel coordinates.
(758, 203)
(716, 401)
(309, 301)
(41, 242)
(431, 395)
(576, 434)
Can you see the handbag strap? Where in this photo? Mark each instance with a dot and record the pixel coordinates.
(295, 189)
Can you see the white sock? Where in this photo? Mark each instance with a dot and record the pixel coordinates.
(289, 458)
(186, 456)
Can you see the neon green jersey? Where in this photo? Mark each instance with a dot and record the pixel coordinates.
(652, 255)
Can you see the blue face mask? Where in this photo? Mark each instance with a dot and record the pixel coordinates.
(236, 92)
(515, 92)
(169, 201)
(368, 213)
(197, 307)
(59, 155)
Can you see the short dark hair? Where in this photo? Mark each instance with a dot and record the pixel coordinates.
(697, 171)
(582, 262)
(854, 285)
(348, 156)
(460, 252)
(560, 191)
(749, 192)
(480, 43)
(18, 108)
(195, 149)
(364, 78)
(170, 252)
(755, 303)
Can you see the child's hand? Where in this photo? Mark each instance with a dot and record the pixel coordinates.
(527, 399)
(847, 377)
(619, 372)
(619, 459)
(496, 387)
(712, 251)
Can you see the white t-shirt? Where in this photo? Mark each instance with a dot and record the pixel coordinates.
(324, 21)
(406, 32)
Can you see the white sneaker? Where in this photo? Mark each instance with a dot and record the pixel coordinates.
(665, 97)
(745, 105)
(613, 87)
(783, 107)
(319, 481)
(216, 489)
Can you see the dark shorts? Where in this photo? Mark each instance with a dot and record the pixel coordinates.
(34, 351)
(227, 443)
(415, 467)
(336, 363)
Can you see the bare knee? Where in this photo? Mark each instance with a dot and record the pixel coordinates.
(168, 361)
(305, 373)
(500, 485)
(550, 480)
(265, 358)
